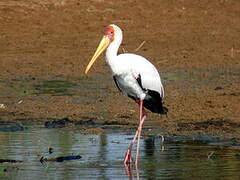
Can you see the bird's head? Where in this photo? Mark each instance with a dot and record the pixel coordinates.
(112, 34)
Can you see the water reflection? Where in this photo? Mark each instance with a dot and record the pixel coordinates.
(102, 157)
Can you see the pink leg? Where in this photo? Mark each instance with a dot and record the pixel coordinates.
(128, 155)
(142, 117)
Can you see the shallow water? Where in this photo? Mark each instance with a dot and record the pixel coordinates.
(102, 156)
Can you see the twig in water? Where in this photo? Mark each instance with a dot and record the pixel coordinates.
(162, 138)
(210, 154)
(2, 106)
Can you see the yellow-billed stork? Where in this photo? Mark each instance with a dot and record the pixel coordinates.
(135, 77)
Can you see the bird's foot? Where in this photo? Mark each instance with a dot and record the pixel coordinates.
(128, 157)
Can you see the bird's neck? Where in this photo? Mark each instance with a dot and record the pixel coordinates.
(112, 51)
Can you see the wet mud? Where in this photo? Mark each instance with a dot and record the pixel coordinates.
(45, 46)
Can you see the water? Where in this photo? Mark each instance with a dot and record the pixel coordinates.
(102, 156)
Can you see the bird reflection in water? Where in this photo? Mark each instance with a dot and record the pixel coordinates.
(150, 147)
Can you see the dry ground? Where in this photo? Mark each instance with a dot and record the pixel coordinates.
(46, 44)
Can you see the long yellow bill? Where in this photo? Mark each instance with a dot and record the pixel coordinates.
(101, 47)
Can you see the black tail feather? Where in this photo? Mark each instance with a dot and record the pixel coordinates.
(164, 110)
(153, 102)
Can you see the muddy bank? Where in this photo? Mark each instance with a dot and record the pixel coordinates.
(45, 46)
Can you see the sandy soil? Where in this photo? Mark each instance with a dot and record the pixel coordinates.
(45, 46)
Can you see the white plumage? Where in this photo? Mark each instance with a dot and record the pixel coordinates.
(127, 68)
(135, 77)
(132, 66)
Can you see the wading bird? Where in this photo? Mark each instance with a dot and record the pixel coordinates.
(135, 77)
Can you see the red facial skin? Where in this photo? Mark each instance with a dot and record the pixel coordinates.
(110, 33)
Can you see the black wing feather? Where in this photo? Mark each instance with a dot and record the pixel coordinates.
(152, 101)
(139, 80)
(115, 80)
